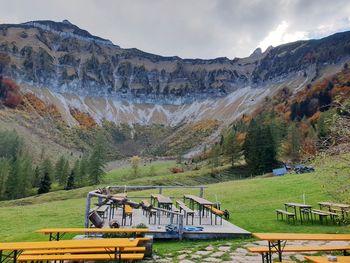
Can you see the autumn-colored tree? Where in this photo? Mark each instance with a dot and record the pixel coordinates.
(10, 93)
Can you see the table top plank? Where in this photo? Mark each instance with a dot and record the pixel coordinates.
(330, 204)
(298, 205)
(89, 243)
(199, 200)
(162, 199)
(300, 236)
(320, 259)
(92, 230)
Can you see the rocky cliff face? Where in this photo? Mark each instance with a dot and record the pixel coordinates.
(70, 68)
(67, 59)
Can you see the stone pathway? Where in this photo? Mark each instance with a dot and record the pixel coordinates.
(229, 253)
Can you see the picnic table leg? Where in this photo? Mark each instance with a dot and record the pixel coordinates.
(279, 250)
(57, 236)
(14, 256)
(269, 258)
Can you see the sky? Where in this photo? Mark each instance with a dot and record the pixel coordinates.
(191, 28)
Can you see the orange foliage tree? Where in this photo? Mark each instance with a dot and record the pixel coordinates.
(10, 93)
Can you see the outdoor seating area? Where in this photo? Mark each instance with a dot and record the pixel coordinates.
(327, 213)
(165, 216)
(277, 244)
(116, 249)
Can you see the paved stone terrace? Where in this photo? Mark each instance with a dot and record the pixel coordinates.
(228, 252)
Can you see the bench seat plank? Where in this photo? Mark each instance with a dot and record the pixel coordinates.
(79, 257)
(81, 250)
(300, 249)
(284, 212)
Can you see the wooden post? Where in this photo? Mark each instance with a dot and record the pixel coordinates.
(160, 190)
(201, 192)
(87, 210)
(181, 226)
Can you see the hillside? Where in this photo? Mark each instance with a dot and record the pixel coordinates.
(69, 68)
(251, 202)
(75, 84)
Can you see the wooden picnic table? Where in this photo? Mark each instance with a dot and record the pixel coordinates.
(301, 207)
(277, 241)
(57, 233)
(324, 259)
(343, 207)
(162, 201)
(16, 248)
(201, 202)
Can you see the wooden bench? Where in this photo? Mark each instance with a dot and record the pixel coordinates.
(81, 250)
(333, 215)
(215, 211)
(289, 215)
(187, 211)
(61, 257)
(127, 213)
(264, 251)
(58, 233)
(321, 214)
(102, 211)
(146, 206)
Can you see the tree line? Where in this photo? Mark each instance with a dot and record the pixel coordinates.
(19, 177)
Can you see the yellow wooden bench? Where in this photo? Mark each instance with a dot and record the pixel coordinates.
(127, 213)
(215, 211)
(265, 250)
(57, 233)
(81, 251)
(111, 256)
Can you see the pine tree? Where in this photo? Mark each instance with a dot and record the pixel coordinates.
(322, 131)
(76, 169)
(46, 167)
(25, 175)
(294, 142)
(215, 155)
(4, 174)
(83, 170)
(45, 184)
(36, 177)
(250, 154)
(260, 150)
(59, 168)
(70, 181)
(11, 191)
(232, 148)
(63, 180)
(97, 160)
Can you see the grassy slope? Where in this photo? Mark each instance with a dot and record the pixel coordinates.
(251, 203)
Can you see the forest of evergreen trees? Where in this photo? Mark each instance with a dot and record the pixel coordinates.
(20, 177)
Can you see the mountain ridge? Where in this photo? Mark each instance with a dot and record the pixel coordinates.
(47, 54)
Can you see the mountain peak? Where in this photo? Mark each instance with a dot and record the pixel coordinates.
(67, 28)
(66, 21)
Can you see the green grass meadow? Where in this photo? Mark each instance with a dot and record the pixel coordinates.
(251, 202)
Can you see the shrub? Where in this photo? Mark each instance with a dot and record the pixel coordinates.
(10, 93)
(176, 170)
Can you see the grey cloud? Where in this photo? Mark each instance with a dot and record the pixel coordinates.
(187, 28)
